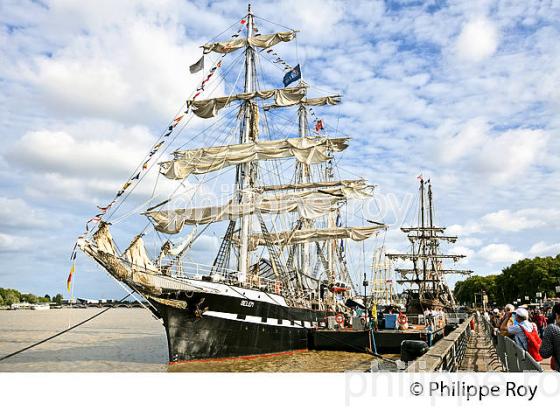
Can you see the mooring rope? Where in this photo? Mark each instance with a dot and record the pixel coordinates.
(64, 331)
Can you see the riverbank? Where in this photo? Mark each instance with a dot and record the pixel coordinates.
(132, 340)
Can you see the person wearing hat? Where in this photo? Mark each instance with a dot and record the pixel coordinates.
(521, 322)
(507, 319)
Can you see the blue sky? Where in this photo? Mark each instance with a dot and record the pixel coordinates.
(464, 92)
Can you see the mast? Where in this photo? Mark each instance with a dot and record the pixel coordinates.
(423, 226)
(305, 177)
(245, 172)
(425, 239)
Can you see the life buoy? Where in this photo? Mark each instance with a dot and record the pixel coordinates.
(402, 319)
(339, 318)
(337, 289)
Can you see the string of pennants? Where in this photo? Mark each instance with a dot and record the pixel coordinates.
(104, 209)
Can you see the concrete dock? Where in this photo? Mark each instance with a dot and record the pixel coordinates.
(480, 355)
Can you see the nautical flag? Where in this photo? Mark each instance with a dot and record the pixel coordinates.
(69, 280)
(319, 125)
(293, 75)
(198, 66)
(145, 166)
(420, 177)
(137, 176)
(243, 21)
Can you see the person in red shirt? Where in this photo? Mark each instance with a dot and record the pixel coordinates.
(541, 322)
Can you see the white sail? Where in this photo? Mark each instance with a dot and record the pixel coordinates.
(310, 205)
(262, 41)
(308, 150)
(328, 100)
(283, 97)
(314, 235)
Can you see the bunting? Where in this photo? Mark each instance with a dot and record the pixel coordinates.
(196, 67)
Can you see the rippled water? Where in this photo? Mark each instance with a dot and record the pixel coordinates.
(123, 340)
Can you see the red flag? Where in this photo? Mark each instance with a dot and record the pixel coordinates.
(420, 177)
(243, 21)
(319, 125)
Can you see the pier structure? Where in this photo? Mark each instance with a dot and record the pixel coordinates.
(480, 354)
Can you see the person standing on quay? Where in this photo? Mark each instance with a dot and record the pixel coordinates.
(551, 340)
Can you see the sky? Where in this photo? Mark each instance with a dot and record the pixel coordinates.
(466, 93)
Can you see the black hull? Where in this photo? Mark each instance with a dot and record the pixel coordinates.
(216, 326)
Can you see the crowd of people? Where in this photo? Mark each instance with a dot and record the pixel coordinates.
(536, 330)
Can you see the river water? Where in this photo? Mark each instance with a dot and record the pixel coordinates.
(131, 340)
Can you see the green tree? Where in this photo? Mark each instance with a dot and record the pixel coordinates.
(1, 301)
(57, 299)
(29, 298)
(524, 278)
(11, 297)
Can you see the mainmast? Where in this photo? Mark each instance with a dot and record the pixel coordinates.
(305, 178)
(245, 172)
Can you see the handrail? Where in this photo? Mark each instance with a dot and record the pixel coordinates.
(447, 354)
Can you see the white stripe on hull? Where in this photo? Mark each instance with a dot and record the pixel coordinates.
(259, 320)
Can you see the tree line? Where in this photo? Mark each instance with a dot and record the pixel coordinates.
(524, 278)
(11, 296)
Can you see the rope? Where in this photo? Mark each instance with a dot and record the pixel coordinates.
(64, 331)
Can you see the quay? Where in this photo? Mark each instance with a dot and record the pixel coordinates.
(478, 348)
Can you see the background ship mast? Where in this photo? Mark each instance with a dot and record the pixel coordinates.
(427, 277)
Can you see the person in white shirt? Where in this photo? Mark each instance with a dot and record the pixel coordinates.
(521, 320)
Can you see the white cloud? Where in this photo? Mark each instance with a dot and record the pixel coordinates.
(544, 249)
(478, 40)
(88, 149)
(508, 221)
(454, 147)
(510, 154)
(499, 253)
(18, 214)
(14, 243)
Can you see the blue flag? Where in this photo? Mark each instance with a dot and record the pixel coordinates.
(293, 75)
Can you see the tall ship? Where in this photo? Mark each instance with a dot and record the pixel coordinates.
(280, 267)
(425, 281)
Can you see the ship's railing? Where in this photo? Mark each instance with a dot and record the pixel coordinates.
(199, 271)
(513, 357)
(447, 354)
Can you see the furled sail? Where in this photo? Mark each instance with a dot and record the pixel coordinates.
(138, 257)
(262, 41)
(328, 100)
(283, 238)
(310, 205)
(308, 150)
(314, 184)
(104, 240)
(283, 97)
